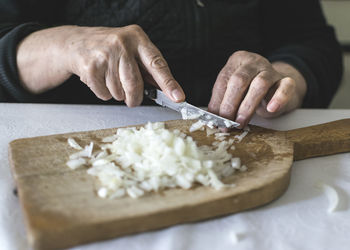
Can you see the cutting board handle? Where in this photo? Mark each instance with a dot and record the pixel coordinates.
(324, 139)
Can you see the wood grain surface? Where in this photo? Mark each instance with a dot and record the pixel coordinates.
(62, 209)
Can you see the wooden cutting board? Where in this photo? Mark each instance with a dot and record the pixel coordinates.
(62, 209)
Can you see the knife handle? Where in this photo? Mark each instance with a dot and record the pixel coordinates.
(150, 93)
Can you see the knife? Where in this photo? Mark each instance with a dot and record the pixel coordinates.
(189, 111)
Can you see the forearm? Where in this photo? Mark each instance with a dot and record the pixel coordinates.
(41, 59)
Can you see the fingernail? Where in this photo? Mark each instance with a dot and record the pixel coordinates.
(273, 106)
(177, 95)
(241, 120)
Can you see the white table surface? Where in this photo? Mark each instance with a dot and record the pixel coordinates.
(297, 220)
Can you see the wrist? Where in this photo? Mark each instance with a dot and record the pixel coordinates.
(42, 59)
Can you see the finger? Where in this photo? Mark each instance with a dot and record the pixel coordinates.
(147, 77)
(219, 89)
(113, 82)
(236, 89)
(94, 77)
(131, 80)
(256, 93)
(156, 65)
(282, 96)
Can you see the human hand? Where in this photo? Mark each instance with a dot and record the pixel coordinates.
(113, 62)
(249, 83)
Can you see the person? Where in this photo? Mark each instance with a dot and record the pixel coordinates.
(237, 57)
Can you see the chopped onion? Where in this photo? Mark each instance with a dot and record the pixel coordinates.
(196, 126)
(89, 149)
(74, 144)
(152, 158)
(109, 138)
(76, 163)
(236, 163)
(211, 131)
(241, 136)
(102, 192)
(243, 168)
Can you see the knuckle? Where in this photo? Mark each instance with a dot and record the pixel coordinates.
(88, 68)
(289, 82)
(135, 28)
(220, 87)
(240, 78)
(289, 86)
(240, 53)
(227, 108)
(262, 83)
(226, 74)
(258, 90)
(137, 32)
(262, 61)
(101, 57)
(158, 62)
(115, 39)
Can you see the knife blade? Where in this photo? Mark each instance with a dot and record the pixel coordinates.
(189, 111)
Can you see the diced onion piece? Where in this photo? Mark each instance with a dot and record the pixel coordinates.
(134, 192)
(196, 126)
(210, 124)
(221, 134)
(211, 131)
(236, 163)
(76, 163)
(89, 149)
(102, 192)
(109, 138)
(74, 144)
(243, 168)
(241, 136)
(117, 194)
(86, 152)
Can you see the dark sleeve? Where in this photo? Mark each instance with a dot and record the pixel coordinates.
(18, 19)
(296, 32)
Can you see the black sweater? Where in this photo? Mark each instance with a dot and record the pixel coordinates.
(196, 40)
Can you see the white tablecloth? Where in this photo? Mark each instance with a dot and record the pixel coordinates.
(297, 220)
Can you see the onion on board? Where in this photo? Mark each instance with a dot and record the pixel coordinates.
(136, 161)
(74, 144)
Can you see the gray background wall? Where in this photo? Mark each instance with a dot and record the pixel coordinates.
(338, 15)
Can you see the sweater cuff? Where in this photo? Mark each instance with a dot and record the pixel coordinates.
(9, 79)
(311, 99)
